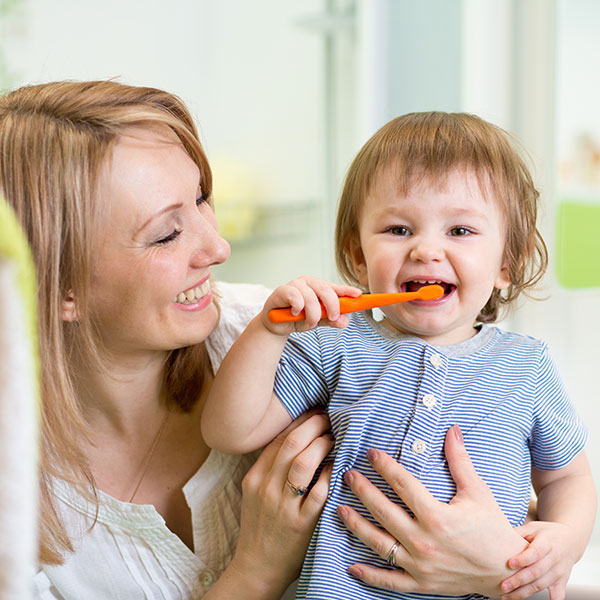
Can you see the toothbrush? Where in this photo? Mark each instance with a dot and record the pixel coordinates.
(362, 302)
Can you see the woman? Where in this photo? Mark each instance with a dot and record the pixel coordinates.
(113, 190)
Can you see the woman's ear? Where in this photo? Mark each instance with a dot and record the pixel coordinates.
(69, 309)
(357, 258)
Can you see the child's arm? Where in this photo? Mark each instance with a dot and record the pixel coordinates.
(566, 510)
(241, 412)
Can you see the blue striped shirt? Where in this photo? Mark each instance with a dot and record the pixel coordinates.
(397, 393)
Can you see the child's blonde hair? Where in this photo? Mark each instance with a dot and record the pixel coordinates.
(430, 145)
(54, 139)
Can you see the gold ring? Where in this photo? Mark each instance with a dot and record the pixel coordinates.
(299, 490)
(391, 555)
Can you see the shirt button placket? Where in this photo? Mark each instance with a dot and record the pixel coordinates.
(426, 419)
(428, 400)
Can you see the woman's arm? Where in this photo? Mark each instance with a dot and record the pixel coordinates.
(566, 511)
(455, 548)
(276, 524)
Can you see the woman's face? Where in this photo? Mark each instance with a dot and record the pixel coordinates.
(157, 243)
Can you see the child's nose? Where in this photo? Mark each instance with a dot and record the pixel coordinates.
(426, 250)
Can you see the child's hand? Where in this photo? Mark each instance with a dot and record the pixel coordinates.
(545, 564)
(304, 294)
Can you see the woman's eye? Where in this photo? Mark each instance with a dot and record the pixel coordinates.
(168, 238)
(202, 199)
(460, 231)
(399, 230)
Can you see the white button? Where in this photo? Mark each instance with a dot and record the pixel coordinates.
(436, 360)
(205, 578)
(419, 446)
(428, 400)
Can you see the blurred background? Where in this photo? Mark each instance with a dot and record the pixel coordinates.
(286, 92)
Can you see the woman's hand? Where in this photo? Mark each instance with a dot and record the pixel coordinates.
(276, 522)
(455, 548)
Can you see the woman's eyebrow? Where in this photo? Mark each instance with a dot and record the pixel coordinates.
(161, 212)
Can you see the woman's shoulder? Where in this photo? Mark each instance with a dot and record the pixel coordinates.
(238, 304)
(239, 298)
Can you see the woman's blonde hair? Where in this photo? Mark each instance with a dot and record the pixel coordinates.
(54, 139)
(429, 146)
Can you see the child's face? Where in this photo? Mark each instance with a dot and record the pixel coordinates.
(451, 235)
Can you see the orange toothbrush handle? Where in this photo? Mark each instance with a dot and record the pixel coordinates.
(284, 315)
(362, 302)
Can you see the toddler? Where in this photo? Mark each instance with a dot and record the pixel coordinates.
(431, 198)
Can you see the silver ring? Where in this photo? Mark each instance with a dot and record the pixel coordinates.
(390, 557)
(299, 490)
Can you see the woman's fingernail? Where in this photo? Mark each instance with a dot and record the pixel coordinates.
(458, 434)
(372, 455)
(348, 477)
(355, 571)
(342, 511)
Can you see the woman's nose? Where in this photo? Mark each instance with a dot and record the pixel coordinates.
(426, 250)
(211, 248)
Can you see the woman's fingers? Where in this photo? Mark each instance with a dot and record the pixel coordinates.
(395, 580)
(304, 465)
(390, 516)
(378, 540)
(294, 451)
(414, 494)
(276, 455)
(459, 462)
(315, 499)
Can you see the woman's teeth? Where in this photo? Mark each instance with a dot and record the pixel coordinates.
(193, 295)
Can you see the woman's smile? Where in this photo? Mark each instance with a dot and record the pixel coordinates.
(194, 298)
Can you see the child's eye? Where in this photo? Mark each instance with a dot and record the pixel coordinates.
(202, 199)
(168, 238)
(460, 231)
(399, 230)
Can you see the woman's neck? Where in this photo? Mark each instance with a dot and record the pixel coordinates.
(126, 393)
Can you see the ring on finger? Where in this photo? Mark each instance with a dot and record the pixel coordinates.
(299, 490)
(390, 557)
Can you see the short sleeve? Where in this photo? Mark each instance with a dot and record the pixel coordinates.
(300, 382)
(558, 433)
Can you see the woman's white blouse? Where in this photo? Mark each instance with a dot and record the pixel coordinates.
(129, 553)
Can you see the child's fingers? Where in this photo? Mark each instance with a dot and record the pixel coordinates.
(342, 289)
(284, 296)
(546, 582)
(527, 581)
(558, 591)
(533, 553)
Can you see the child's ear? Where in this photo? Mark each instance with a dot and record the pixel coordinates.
(503, 277)
(69, 309)
(358, 261)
